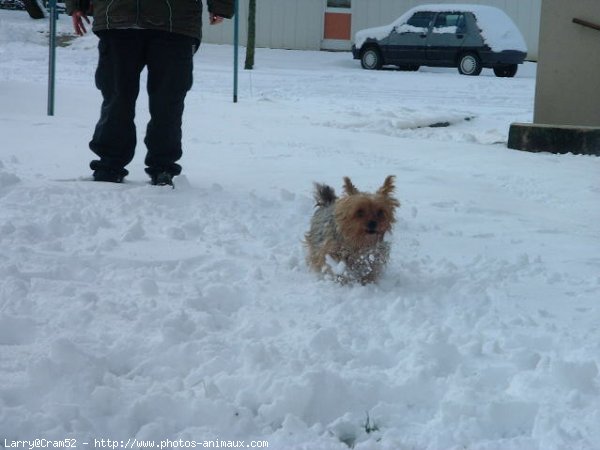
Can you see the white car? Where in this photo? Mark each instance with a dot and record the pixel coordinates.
(469, 37)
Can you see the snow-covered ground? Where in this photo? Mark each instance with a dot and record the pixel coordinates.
(133, 311)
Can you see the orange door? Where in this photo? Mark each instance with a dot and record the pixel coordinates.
(337, 25)
(337, 28)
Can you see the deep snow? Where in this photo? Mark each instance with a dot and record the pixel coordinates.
(132, 311)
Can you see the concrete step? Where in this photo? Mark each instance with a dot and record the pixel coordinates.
(534, 137)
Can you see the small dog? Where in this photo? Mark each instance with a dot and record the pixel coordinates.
(346, 236)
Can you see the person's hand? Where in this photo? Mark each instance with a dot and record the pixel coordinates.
(78, 17)
(214, 19)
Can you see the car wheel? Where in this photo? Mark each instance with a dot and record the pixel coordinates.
(469, 64)
(506, 71)
(371, 59)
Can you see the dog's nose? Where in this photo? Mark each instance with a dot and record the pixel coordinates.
(372, 225)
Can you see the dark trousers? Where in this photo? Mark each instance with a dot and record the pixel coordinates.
(123, 54)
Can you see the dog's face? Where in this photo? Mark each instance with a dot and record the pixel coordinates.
(363, 218)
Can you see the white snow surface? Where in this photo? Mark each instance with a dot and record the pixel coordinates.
(498, 30)
(129, 311)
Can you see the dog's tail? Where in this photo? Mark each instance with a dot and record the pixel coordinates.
(324, 195)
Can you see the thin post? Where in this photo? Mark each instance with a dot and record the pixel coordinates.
(236, 38)
(52, 56)
(586, 23)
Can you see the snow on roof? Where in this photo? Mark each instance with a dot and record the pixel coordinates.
(497, 29)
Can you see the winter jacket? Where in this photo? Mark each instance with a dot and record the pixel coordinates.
(176, 16)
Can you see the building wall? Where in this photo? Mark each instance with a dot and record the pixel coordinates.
(568, 85)
(298, 24)
(287, 24)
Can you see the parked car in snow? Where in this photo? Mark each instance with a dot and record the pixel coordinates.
(469, 37)
(37, 9)
(12, 4)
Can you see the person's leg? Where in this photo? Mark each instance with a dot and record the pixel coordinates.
(121, 60)
(170, 67)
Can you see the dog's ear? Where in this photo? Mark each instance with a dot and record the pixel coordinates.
(388, 186)
(324, 195)
(349, 188)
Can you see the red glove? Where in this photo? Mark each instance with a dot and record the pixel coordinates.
(78, 18)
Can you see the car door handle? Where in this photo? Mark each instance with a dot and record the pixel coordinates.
(423, 36)
(460, 36)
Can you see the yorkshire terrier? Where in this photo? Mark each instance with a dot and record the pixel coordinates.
(346, 236)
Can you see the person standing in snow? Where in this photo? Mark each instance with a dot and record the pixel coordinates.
(161, 35)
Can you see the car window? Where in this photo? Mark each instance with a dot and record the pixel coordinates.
(448, 22)
(447, 19)
(421, 19)
(461, 23)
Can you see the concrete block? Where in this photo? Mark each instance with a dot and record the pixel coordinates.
(533, 137)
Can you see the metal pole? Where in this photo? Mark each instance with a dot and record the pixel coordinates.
(236, 38)
(52, 56)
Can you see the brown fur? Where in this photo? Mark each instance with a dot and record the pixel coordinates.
(346, 236)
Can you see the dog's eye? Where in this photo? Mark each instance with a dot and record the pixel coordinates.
(380, 214)
(360, 213)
